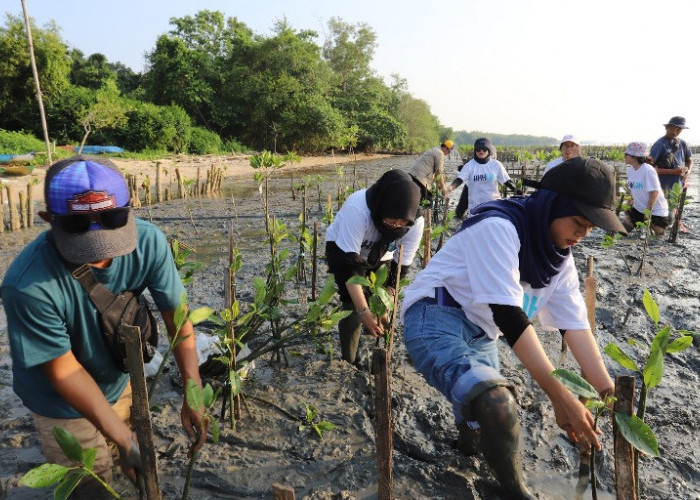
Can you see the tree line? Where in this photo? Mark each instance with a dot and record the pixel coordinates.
(211, 84)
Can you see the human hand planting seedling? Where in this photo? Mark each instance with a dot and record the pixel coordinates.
(67, 478)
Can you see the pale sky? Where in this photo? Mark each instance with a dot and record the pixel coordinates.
(610, 71)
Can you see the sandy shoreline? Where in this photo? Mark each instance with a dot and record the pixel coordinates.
(236, 165)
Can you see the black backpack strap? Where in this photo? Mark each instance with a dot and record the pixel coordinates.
(98, 293)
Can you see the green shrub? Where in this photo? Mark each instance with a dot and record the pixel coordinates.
(233, 146)
(155, 127)
(204, 142)
(19, 142)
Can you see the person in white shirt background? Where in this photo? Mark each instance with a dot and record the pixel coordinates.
(481, 177)
(570, 147)
(647, 194)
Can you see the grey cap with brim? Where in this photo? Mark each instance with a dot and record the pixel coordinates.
(93, 246)
(590, 185)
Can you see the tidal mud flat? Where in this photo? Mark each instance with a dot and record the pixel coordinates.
(267, 446)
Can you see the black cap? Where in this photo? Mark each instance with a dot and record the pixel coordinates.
(676, 121)
(591, 187)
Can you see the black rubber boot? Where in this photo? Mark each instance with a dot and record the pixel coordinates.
(468, 440)
(495, 410)
(349, 331)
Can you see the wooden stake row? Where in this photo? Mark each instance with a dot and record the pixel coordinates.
(19, 207)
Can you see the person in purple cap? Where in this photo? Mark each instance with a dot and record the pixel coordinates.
(643, 183)
(62, 368)
(671, 155)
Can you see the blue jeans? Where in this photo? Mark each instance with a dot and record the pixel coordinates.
(454, 355)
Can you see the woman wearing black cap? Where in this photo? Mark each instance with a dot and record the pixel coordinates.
(509, 262)
(357, 242)
(481, 177)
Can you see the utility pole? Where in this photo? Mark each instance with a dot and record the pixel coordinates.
(36, 83)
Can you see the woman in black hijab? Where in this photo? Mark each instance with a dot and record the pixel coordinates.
(358, 241)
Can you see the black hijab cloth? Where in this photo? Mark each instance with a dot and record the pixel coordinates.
(395, 195)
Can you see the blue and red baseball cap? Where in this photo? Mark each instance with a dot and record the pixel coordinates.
(83, 191)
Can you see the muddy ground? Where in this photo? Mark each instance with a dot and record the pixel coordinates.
(268, 447)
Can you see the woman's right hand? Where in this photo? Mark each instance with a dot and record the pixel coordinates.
(574, 418)
(369, 321)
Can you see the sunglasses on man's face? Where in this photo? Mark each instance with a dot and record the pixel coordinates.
(113, 218)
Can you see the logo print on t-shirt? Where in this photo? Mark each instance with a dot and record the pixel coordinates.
(530, 305)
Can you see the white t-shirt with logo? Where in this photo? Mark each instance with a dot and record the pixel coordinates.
(353, 230)
(482, 180)
(479, 266)
(643, 181)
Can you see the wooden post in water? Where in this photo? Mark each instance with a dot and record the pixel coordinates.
(382, 424)
(30, 204)
(140, 413)
(197, 187)
(625, 471)
(12, 206)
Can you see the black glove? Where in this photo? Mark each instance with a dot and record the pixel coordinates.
(131, 458)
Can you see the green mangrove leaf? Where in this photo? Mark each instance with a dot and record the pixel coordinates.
(575, 383)
(207, 395)
(180, 315)
(386, 298)
(194, 397)
(200, 314)
(637, 433)
(260, 287)
(235, 380)
(680, 344)
(328, 291)
(654, 367)
(382, 274)
(359, 280)
(89, 456)
(616, 353)
(69, 444)
(44, 475)
(68, 484)
(651, 306)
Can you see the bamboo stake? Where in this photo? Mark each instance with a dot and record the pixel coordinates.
(382, 424)
(180, 184)
(158, 194)
(394, 316)
(197, 182)
(140, 413)
(677, 220)
(30, 205)
(23, 209)
(314, 268)
(281, 492)
(12, 206)
(426, 237)
(625, 471)
(2, 211)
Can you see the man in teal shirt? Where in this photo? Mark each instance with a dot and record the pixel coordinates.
(62, 368)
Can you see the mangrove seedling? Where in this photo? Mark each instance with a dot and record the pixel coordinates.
(67, 478)
(311, 421)
(653, 370)
(632, 428)
(200, 399)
